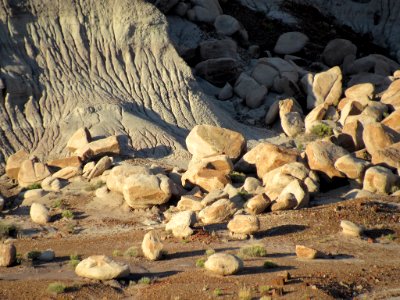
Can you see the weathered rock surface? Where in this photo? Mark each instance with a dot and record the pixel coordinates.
(244, 224)
(220, 211)
(307, 252)
(180, 224)
(290, 42)
(223, 264)
(379, 180)
(257, 204)
(31, 172)
(39, 214)
(350, 228)
(14, 163)
(351, 166)
(79, 139)
(101, 267)
(8, 254)
(152, 246)
(118, 175)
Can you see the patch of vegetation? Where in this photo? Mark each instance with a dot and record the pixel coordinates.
(244, 294)
(210, 252)
(94, 186)
(116, 253)
(74, 260)
(263, 289)
(243, 193)
(18, 259)
(267, 298)
(8, 230)
(67, 214)
(322, 130)
(185, 241)
(253, 251)
(71, 228)
(237, 176)
(144, 280)
(300, 146)
(58, 203)
(34, 186)
(132, 252)
(200, 262)
(33, 255)
(394, 189)
(391, 237)
(217, 292)
(56, 288)
(270, 265)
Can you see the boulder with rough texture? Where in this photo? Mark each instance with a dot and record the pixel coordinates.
(353, 133)
(220, 211)
(180, 224)
(336, 50)
(350, 228)
(152, 246)
(391, 96)
(101, 267)
(206, 140)
(102, 165)
(307, 252)
(322, 156)
(292, 124)
(244, 225)
(79, 139)
(393, 120)
(377, 136)
(109, 145)
(189, 202)
(285, 201)
(300, 192)
(352, 167)
(364, 91)
(204, 11)
(226, 25)
(251, 185)
(51, 184)
(141, 190)
(118, 175)
(257, 204)
(32, 171)
(8, 255)
(67, 173)
(388, 157)
(223, 264)
(39, 214)
(290, 42)
(379, 180)
(14, 163)
(72, 161)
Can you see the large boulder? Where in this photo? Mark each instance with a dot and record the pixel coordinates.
(388, 157)
(223, 264)
(299, 190)
(336, 50)
(353, 135)
(244, 225)
(152, 246)
(32, 171)
(264, 74)
(290, 42)
(142, 190)
(102, 165)
(391, 96)
(206, 140)
(72, 161)
(218, 71)
(8, 254)
(204, 11)
(352, 167)
(79, 139)
(226, 25)
(393, 120)
(39, 213)
(220, 211)
(101, 267)
(379, 180)
(322, 156)
(257, 204)
(377, 136)
(109, 145)
(14, 163)
(180, 224)
(118, 175)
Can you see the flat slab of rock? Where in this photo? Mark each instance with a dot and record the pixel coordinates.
(73, 161)
(101, 267)
(223, 264)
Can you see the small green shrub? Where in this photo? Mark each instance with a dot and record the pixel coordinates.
(67, 214)
(58, 203)
(217, 292)
(200, 262)
(253, 251)
(8, 230)
(391, 237)
(210, 252)
(34, 186)
(322, 130)
(33, 255)
(237, 176)
(56, 288)
(270, 265)
(264, 289)
(116, 253)
(74, 260)
(144, 280)
(94, 186)
(244, 294)
(132, 252)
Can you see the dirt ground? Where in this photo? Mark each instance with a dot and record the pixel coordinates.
(361, 268)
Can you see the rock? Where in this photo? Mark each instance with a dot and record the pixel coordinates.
(223, 264)
(218, 71)
(266, 157)
(354, 133)
(109, 145)
(290, 42)
(101, 267)
(218, 212)
(350, 109)
(255, 98)
(391, 96)
(265, 74)
(226, 25)
(205, 11)
(51, 184)
(180, 224)
(39, 213)
(322, 156)
(307, 253)
(118, 175)
(79, 139)
(352, 167)
(47, 255)
(141, 190)
(152, 246)
(207, 140)
(349, 228)
(299, 190)
(257, 204)
(14, 163)
(364, 91)
(244, 225)
(272, 114)
(326, 88)
(103, 164)
(32, 171)
(67, 173)
(388, 157)
(8, 255)
(393, 121)
(285, 68)
(244, 85)
(289, 105)
(336, 50)
(377, 136)
(213, 196)
(213, 49)
(285, 201)
(379, 180)
(35, 193)
(189, 202)
(2, 203)
(251, 185)
(73, 161)
(226, 92)
(292, 124)
(102, 192)
(316, 114)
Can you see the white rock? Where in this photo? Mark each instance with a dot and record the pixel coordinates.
(223, 264)
(101, 267)
(349, 228)
(180, 224)
(39, 213)
(152, 246)
(51, 184)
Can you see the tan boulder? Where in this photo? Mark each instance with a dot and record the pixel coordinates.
(101, 267)
(102, 165)
(257, 204)
(387, 157)
(152, 246)
(73, 161)
(51, 184)
(180, 223)
(206, 140)
(79, 139)
(352, 167)
(285, 201)
(300, 192)
(292, 124)
(220, 211)
(393, 120)
(39, 213)
(8, 254)
(32, 171)
(251, 185)
(391, 96)
(379, 180)
(363, 91)
(190, 202)
(118, 175)
(350, 109)
(354, 133)
(223, 264)
(109, 145)
(67, 173)
(272, 114)
(142, 190)
(14, 163)
(307, 252)
(289, 105)
(244, 225)
(377, 136)
(322, 156)
(316, 114)
(351, 229)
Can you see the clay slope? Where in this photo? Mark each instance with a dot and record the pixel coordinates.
(105, 64)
